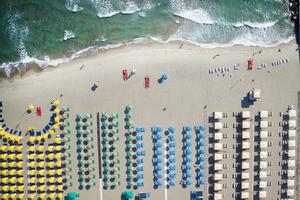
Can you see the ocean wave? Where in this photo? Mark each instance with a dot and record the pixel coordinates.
(104, 8)
(72, 5)
(199, 16)
(255, 24)
(22, 65)
(129, 7)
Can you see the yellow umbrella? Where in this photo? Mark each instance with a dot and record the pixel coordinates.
(4, 180)
(30, 107)
(55, 126)
(41, 180)
(39, 138)
(4, 172)
(12, 188)
(31, 156)
(11, 156)
(13, 196)
(55, 102)
(58, 163)
(56, 119)
(41, 156)
(5, 188)
(31, 172)
(51, 188)
(19, 148)
(4, 196)
(32, 195)
(32, 188)
(41, 172)
(19, 164)
(31, 148)
(51, 132)
(56, 111)
(12, 172)
(3, 156)
(41, 164)
(41, 188)
(21, 188)
(31, 139)
(32, 164)
(59, 172)
(58, 155)
(42, 195)
(13, 180)
(20, 180)
(32, 180)
(19, 156)
(21, 196)
(57, 140)
(50, 156)
(11, 164)
(59, 179)
(3, 148)
(59, 195)
(51, 180)
(3, 164)
(50, 172)
(50, 164)
(45, 136)
(59, 188)
(58, 148)
(18, 138)
(20, 172)
(52, 196)
(11, 148)
(40, 148)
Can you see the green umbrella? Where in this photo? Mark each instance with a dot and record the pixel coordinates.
(79, 116)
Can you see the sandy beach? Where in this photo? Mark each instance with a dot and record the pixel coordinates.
(188, 97)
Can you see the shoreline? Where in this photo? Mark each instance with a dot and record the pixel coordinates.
(21, 68)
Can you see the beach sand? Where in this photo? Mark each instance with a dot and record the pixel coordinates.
(190, 94)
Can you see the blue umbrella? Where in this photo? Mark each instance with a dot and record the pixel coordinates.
(172, 152)
(202, 167)
(188, 182)
(202, 182)
(202, 128)
(202, 159)
(187, 136)
(187, 144)
(202, 174)
(172, 176)
(164, 76)
(171, 129)
(202, 151)
(158, 183)
(172, 183)
(172, 167)
(201, 144)
(201, 136)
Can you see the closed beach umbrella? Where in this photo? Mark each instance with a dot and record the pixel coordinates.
(30, 107)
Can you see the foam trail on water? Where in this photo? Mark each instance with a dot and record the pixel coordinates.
(72, 5)
(104, 8)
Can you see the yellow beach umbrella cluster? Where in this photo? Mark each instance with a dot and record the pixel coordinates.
(10, 137)
(11, 172)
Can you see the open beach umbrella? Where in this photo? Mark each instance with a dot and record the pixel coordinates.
(201, 151)
(201, 136)
(30, 107)
(202, 167)
(55, 102)
(202, 159)
(201, 144)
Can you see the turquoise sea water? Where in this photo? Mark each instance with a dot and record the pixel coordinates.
(32, 31)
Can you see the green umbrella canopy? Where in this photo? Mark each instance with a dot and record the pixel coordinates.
(127, 194)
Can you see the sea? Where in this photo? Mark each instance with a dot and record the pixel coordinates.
(50, 32)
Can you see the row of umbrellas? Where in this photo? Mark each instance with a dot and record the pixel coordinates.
(157, 156)
(111, 162)
(185, 166)
(139, 177)
(200, 167)
(171, 151)
(84, 151)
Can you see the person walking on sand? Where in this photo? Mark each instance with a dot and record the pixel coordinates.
(38, 111)
(147, 82)
(125, 74)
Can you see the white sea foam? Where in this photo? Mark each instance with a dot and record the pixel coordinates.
(198, 15)
(72, 5)
(104, 8)
(128, 7)
(255, 24)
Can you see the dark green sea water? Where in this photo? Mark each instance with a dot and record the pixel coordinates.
(33, 30)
